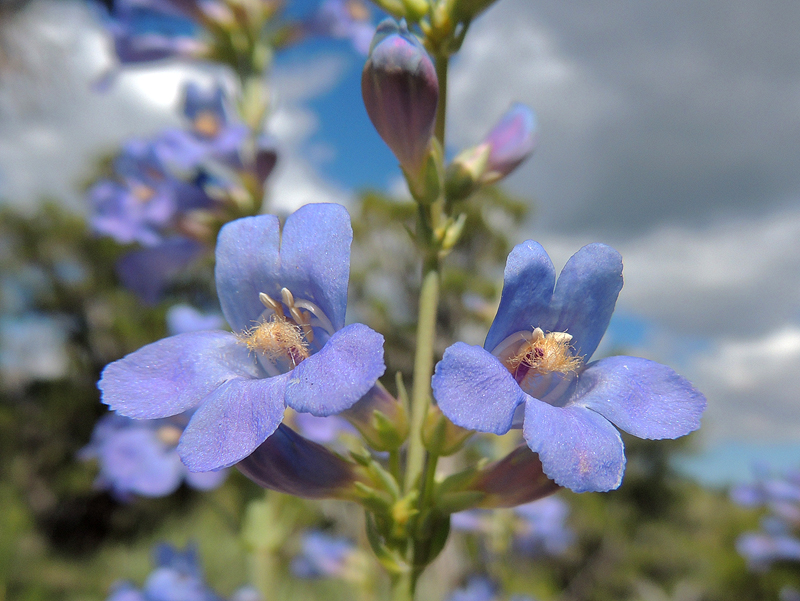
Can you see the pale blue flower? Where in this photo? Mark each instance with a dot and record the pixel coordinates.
(534, 371)
(284, 294)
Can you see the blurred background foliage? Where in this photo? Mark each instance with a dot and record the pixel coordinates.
(658, 537)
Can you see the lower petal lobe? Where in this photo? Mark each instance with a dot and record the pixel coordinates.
(343, 371)
(474, 390)
(579, 449)
(232, 422)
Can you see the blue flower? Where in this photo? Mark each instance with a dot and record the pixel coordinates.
(284, 294)
(324, 556)
(146, 201)
(215, 138)
(185, 318)
(147, 30)
(539, 528)
(534, 366)
(478, 588)
(138, 457)
(344, 20)
(177, 577)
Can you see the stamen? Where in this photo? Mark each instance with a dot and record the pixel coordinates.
(276, 339)
(321, 318)
(544, 354)
(271, 303)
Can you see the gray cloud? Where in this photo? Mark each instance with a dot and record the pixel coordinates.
(650, 112)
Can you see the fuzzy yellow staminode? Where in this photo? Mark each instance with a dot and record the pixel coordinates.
(546, 353)
(276, 338)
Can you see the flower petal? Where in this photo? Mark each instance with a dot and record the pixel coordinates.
(247, 263)
(337, 376)
(579, 449)
(174, 374)
(232, 422)
(289, 463)
(642, 397)
(528, 283)
(474, 390)
(315, 257)
(585, 295)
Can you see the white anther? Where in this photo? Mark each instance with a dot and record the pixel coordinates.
(271, 303)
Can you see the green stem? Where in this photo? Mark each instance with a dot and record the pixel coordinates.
(441, 108)
(394, 464)
(423, 370)
(403, 587)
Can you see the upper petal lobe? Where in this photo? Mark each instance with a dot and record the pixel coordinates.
(528, 282)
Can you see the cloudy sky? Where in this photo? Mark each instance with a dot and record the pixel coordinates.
(669, 130)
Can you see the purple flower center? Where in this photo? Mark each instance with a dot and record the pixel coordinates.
(283, 335)
(534, 358)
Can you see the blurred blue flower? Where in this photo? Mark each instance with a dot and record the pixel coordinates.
(539, 527)
(324, 556)
(151, 30)
(542, 527)
(185, 318)
(344, 20)
(213, 137)
(533, 371)
(177, 577)
(478, 588)
(284, 294)
(139, 457)
(146, 201)
(778, 539)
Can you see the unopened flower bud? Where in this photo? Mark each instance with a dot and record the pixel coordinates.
(510, 142)
(441, 436)
(400, 91)
(291, 464)
(516, 479)
(380, 418)
(465, 172)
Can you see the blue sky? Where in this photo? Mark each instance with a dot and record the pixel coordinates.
(669, 130)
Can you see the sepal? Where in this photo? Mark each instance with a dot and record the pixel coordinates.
(514, 480)
(441, 436)
(464, 173)
(380, 418)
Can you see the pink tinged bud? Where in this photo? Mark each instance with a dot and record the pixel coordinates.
(510, 142)
(400, 91)
(516, 479)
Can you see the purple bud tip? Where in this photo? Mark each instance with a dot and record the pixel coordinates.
(511, 140)
(400, 91)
